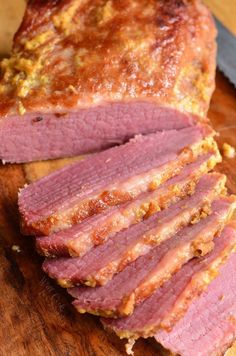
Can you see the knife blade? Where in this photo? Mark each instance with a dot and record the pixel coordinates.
(226, 56)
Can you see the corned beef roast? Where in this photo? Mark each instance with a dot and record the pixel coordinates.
(86, 75)
(98, 266)
(109, 178)
(93, 231)
(170, 302)
(144, 225)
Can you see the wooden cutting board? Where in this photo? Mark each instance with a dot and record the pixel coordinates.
(36, 315)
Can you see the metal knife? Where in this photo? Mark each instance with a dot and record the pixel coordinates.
(226, 56)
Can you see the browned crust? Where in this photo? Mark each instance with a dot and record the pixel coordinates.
(162, 51)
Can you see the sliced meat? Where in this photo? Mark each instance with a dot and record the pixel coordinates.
(86, 131)
(141, 278)
(208, 328)
(119, 174)
(101, 263)
(170, 302)
(79, 80)
(79, 239)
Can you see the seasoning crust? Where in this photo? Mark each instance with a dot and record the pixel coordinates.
(78, 53)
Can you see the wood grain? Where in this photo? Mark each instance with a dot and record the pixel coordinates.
(36, 315)
(225, 10)
(11, 13)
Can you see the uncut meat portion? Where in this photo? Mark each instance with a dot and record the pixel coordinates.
(99, 265)
(170, 302)
(79, 239)
(90, 74)
(214, 329)
(141, 278)
(109, 178)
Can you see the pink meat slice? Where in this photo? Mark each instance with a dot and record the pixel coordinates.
(95, 230)
(111, 177)
(141, 278)
(99, 265)
(84, 131)
(209, 327)
(170, 302)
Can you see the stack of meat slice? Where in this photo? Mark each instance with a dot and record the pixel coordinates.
(180, 321)
(137, 233)
(109, 178)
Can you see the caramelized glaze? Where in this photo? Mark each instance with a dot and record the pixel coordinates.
(77, 53)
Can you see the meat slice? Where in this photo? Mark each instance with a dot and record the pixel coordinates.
(89, 130)
(208, 328)
(119, 174)
(142, 277)
(79, 239)
(86, 75)
(99, 265)
(170, 302)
